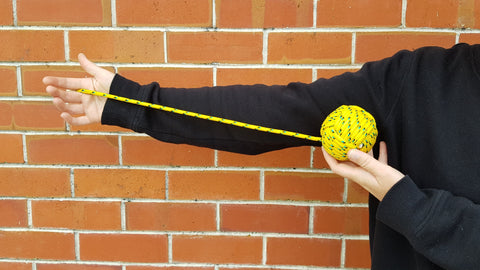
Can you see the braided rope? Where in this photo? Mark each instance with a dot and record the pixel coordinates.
(346, 128)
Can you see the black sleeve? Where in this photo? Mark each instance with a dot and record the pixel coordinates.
(441, 226)
(297, 107)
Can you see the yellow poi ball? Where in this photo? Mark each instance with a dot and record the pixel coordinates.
(348, 127)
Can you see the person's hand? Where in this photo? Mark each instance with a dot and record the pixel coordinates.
(77, 108)
(373, 175)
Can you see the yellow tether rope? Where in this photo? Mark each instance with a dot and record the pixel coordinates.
(346, 128)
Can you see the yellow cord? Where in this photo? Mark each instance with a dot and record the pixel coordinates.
(202, 116)
(346, 128)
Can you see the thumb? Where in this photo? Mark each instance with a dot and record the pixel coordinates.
(363, 160)
(90, 67)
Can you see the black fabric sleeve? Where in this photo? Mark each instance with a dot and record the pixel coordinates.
(442, 227)
(297, 107)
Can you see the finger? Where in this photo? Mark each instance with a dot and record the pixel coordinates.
(66, 96)
(71, 108)
(75, 121)
(364, 160)
(342, 168)
(331, 161)
(67, 83)
(383, 155)
(349, 170)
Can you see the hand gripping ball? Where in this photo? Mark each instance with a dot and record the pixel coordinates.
(348, 127)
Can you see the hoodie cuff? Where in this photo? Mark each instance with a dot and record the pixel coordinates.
(119, 113)
(403, 208)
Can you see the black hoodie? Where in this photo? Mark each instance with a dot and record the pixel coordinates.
(427, 107)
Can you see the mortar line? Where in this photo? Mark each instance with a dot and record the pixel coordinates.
(354, 47)
(311, 219)
(218, 216)
(123, 214)
(262, 185)
(29, 213)
(165, 47)
(264, 250)
(265, 48)
(14, 11)
(66, 44)
(404, 13)
(113, 12)
(167, 183)
(18, 70)
(214, 14)
(174, 264)
(244, 30)
(72, 182)
(24, 148)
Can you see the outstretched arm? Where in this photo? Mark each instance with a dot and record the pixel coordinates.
(76, 108)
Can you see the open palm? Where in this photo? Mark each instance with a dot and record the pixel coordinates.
(77, 108)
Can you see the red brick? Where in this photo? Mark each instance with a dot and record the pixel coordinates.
(33, 182)
(61, 266)
(14, 213)
(208, 47)
(357, 254)
(171, 216)
(264, 13)
(25, 115)
(230, 76)
(213, 185)
(7, 115)
(99, 128)
(253, 268)
(329, 73)
(304, 251)
(36, 116)
(217, 249)
(351, 13)
(37, 245)
(309, 48)
(8, 85)
(15, 266)
(72, 149)
(303, 186)
(32, 77)
(119, 183)
(356, 194)
(12, 148)
(264, 218)
(23, 45)
(168, 268)
(341, 220)
(469, 38)
(64, 12)
(292, 157)
(318, 159)
(76, 215)
(148, 151)
(441, 14)
(170, 77)
(375, 46)
(140, 248)
(118, 46)
(196, 13)
(6, 12)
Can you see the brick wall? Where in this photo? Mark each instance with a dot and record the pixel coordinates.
(106, 198)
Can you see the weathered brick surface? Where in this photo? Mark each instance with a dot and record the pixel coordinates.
(103, 198)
